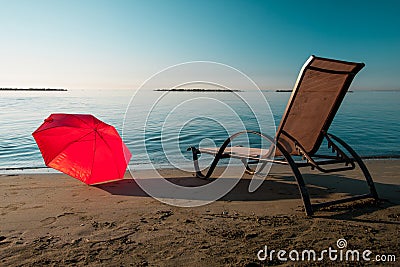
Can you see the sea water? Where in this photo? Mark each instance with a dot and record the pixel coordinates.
(367, 120)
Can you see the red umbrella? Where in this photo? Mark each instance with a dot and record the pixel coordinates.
(83, 147)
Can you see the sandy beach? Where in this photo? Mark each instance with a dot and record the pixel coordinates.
(52, 219)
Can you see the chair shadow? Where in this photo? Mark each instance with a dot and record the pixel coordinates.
(269, 190)
(320, 186)
(353, 211)
(389, 196)
(284, 187)
(280, 187)
(337, 183)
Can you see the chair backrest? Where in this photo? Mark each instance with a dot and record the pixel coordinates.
(316, 97)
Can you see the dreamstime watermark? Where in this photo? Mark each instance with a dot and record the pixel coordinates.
(340, 253)
(164, 123)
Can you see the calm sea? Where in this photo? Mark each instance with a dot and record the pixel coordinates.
(367, 120)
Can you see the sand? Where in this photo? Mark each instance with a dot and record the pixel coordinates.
(52, 219)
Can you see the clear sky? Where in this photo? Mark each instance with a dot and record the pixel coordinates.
(119, 44)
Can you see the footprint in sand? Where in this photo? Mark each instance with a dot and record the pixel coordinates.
(11, 207)
(66, 214)
(48, 220)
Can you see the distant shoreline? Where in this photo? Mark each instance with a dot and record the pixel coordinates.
(283, 91)
(138, 166)
(289, 91)
(33, 89)
(197, 90)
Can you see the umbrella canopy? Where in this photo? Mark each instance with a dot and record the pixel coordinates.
(83, 147)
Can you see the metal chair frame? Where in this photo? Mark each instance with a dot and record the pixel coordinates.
(344, 154)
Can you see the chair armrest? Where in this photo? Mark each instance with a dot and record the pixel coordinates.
(232, 137)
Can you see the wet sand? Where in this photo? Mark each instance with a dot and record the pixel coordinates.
(52, 219)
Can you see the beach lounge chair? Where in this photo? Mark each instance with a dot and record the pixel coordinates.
(317, 95)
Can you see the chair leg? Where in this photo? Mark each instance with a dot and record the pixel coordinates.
(199, 174)
(302, 187)
(367, 176)
(248, 169)
(300, 181)
(195, 152)
(360, 163)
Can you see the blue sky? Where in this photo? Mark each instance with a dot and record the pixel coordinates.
(93, 44)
